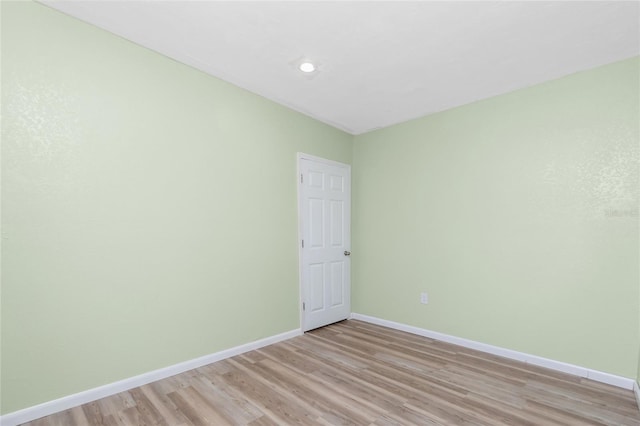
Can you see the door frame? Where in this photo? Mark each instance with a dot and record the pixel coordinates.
(299, 157)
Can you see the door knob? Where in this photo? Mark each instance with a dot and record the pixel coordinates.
(347, 253)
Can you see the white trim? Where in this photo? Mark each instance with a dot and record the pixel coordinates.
(299, 157)
(599, 376)
(303, 156)
(70, 401)
(636, 391)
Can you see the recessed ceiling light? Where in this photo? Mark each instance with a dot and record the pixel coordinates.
(307, 67)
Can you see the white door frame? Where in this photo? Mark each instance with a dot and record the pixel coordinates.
(302, 156)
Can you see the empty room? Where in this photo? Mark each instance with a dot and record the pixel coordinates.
(320, 213)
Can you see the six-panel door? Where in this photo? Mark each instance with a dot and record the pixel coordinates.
(325, 215)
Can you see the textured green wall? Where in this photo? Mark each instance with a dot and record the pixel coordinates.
(517, 214)
(149, 210)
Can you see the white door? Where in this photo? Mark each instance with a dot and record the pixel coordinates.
(325, 233)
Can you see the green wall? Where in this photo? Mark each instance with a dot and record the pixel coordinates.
(517, 214)
(149, 210)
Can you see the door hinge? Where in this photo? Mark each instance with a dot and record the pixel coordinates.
(303, 306)
(302, 243)
(301, 178)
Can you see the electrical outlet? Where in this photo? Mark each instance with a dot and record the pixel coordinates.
(424, 298)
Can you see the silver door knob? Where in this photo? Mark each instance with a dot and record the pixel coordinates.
(347, 253)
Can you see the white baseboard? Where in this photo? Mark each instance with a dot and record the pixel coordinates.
(61, 404)
(64, 403)
(574, 370)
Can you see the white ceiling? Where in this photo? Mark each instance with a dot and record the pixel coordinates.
(380, 63)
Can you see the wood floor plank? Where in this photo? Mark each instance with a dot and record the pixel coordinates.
(356, 373)
(313, 393)
(163, 404)
(269, 399)
(196, 417)
(263, 421)
(233, 407)
(95, 416)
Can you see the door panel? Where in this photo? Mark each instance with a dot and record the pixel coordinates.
(337, 223)
(316, 223)
(325, 214)
(316, 284)
(337, 283)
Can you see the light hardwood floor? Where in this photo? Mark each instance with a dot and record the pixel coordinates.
(357, 373)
